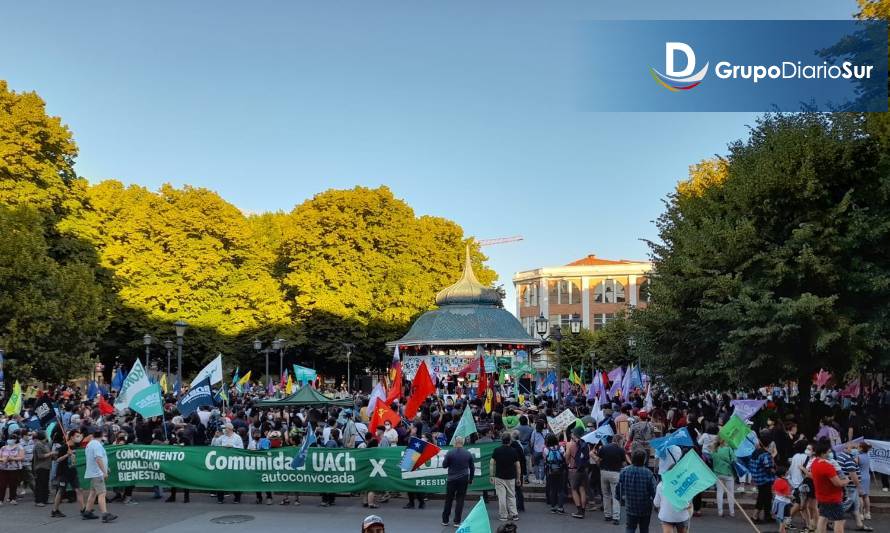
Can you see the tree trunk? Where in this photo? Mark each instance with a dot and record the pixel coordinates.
(804, 386)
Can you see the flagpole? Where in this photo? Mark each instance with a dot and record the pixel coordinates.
(739, 505)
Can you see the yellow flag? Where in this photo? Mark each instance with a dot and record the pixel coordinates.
(163, 383)
(244, 379)
(489, 397)
(289, 388)
(14, 405)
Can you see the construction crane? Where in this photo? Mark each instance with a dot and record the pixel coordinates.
(499, 240)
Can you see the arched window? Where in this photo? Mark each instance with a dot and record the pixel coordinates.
(619, 292)
(644, 291)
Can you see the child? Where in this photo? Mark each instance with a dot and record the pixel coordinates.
(782, 499)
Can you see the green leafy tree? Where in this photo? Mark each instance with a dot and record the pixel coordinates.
(359, 266)
(780, 269)
(51, 314)
(184, 254)
(54, 301)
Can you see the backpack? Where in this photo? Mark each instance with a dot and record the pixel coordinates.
(582, 455)
(555, 461)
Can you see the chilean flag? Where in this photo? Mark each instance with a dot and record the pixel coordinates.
(417, 453)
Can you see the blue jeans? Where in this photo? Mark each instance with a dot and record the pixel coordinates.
(637, 521)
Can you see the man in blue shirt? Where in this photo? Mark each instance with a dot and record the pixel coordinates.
(96, 473)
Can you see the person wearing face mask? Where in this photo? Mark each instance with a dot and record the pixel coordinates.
(66, 473)
(801, 484)
(43, 459)
(12, 456)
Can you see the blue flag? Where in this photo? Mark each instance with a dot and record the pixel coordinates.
(177, 387)
(92, 390)
(677, 438)
(118, 380)
(197, 396)
(300, 458)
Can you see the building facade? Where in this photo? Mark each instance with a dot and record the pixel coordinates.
(592, 289)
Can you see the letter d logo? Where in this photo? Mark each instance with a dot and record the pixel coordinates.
(670, 50)
(678, 80)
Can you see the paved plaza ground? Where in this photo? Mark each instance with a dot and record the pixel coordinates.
(196, 517)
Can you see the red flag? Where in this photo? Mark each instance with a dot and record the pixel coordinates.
(395, 390)
(421, 388)
(483, 381)
(105, 408)
(382, 413)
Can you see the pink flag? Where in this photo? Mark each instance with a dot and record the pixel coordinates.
(852, 389)
(822, 378)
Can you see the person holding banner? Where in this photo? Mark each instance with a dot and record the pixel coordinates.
(673, 520)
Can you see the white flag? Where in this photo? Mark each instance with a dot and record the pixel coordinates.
(597, 412)
(213, 370)
(379, 393)
(879, 455)
(649, 402)
(136, 381)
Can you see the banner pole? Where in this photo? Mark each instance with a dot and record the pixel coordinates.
(739, 505)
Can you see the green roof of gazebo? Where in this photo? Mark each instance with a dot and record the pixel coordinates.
(469, 313)
(305, 396)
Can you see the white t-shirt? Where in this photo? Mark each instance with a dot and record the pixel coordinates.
(95, 451)
(795, 476)
(666, 511)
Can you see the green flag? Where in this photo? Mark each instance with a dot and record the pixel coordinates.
(735, 431)
(466, 426)
(501, 377)
(685, 479)
(147, 402)
(14, 405)
(136, 382)
(476, 521)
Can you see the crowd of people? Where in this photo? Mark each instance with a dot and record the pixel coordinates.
(811, 479)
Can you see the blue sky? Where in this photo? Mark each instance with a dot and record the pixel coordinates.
(466, 110)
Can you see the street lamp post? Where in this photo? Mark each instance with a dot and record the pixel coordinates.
(258, 346)
(168, 345)
(278, 344)
(180, 326)
(349, 348)
(146, 340)
(541, 326)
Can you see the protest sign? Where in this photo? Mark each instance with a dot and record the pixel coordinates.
(559, 423)
(325, 469)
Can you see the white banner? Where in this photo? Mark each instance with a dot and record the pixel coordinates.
(440, 365)
(879, 454)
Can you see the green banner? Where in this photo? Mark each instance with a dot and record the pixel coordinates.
(326, 469)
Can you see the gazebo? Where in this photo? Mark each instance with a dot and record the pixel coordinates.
(469, 320)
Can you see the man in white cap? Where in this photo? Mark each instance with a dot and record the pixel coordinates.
(228, 440)
(373, 524)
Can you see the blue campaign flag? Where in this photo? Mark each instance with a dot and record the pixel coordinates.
(103, 390)
(118, 380)
(197, 396)
(300, 458)
(177, 387)
(680, 437)
(92, 390)
(1, 365)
